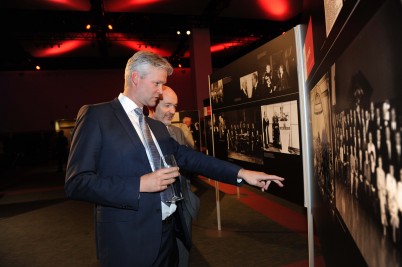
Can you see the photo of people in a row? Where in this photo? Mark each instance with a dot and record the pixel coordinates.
(357, 160)
(239, 133)
(367, 167)
(369, 162)
(367, 126)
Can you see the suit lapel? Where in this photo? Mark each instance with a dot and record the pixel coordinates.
(127, 125)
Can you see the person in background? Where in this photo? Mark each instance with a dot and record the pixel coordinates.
(382, 195)
(188, 133)
(113, 164)
(267, 80)
(257, 90)
(164, 111)
(265, 126)
(282, 82)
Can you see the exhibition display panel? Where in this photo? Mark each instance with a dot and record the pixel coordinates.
(255, 113)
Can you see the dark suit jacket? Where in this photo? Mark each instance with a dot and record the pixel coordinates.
(106, 161)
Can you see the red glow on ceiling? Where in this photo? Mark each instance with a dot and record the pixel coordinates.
(124, 6)
(67, 4)
(232, 44)
(137, 46)
(276, 9)
(217, 48)
(65, 47)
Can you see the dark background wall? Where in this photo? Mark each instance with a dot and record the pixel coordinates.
(32, 100)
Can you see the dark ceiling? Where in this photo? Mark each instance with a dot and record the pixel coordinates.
(52, 32)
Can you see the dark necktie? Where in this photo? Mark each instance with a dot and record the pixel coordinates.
(151, 147)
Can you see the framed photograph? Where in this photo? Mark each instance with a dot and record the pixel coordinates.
(368, 123)
(280, 127)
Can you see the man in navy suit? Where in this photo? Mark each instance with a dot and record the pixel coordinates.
(109, 166)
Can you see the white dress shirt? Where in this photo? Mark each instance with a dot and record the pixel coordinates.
(129, 107)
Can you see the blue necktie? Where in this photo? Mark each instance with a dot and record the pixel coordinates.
(151, 147)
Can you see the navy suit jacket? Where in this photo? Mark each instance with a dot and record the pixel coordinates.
(106, 161)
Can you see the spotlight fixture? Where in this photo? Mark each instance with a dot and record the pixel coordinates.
(37, 67)
(178, 32)
(88, 27)
(188, 32)
(110, 27)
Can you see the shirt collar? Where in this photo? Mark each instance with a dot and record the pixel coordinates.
(127, 103)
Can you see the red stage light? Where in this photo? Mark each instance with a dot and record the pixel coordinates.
(68, 4)
(65, 47)
(275, 9)
(125, 6)
(218, 47)
(137, 46)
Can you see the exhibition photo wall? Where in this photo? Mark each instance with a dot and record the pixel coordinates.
(356, 122)
(255, 117)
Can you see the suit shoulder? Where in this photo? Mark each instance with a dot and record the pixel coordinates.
(91, 108)
(156, 124)
(177, 130)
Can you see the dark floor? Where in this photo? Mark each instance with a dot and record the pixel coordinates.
(40, 228)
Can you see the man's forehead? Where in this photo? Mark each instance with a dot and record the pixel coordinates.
(168, 101)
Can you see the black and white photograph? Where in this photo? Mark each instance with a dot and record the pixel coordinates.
(367, 119)
(239, 133)
(280, 127)
(216, 92)
(246, 87)
(267, 72)
(278, 74)
(322, 139)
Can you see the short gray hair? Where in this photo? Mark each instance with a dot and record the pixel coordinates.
(141, 60)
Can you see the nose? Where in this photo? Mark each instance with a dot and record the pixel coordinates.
(159, 88)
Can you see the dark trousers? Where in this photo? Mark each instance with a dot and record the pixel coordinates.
(168, 253)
